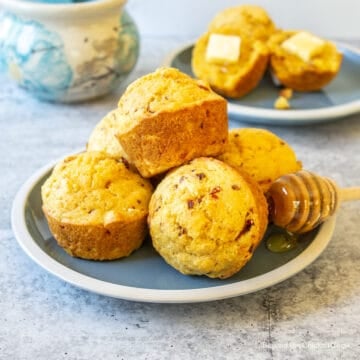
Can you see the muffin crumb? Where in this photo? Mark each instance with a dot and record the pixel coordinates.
(282, 103)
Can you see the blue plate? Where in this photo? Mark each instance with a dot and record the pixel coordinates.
(144, 275)
(339, 99)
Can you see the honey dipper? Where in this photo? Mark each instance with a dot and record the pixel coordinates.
(300, 201)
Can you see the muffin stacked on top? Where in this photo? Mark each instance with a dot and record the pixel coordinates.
(205, 217)
(167, 119)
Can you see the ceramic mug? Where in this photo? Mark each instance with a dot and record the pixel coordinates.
(66, 51)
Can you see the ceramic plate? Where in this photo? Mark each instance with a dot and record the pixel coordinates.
(339, 99)
(144, 276)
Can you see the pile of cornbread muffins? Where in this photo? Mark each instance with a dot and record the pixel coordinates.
(165, 163)
(242, 42)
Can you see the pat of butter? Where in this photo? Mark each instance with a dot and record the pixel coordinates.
(304, 45)
(223, 49)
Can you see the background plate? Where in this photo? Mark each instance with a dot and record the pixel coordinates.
(144, 276)
(339, 99)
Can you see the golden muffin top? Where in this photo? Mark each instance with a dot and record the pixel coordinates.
(205, 218)
(261, 154)
(91, 188)
(165, 90)
(248, 20)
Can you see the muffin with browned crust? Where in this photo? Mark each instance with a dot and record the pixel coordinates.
(96, 207)
(205, 218)
(167, 118)
(261, 154)
(302, 61)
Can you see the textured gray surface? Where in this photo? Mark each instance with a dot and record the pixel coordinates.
(313, 315)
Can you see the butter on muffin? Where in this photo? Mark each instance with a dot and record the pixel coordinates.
(232, 56)
(205, 218)
(302, 61)
(232, 68)
(249, 20)
(261, 154)
(96, 207)
(167, 118)
(103, 137)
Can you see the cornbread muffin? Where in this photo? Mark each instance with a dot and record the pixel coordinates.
(206, 219)
(248, 20)
(303, 74)
(96, 207)
(261, 154)
(167, 118)
(234, 79)
(103, 137)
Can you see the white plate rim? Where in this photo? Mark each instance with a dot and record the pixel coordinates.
(283, 116)
(44, 260)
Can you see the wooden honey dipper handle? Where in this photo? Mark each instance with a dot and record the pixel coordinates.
(350, 193)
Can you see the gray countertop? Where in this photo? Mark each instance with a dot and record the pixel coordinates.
(313, 315)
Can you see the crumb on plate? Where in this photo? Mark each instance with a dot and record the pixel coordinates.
(282, 103)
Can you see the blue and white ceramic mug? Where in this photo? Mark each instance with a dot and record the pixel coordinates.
(66, 51)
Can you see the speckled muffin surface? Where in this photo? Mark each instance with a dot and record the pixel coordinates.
(205, 219)
(261, 154)
(297, 74)
(96, 207)
(168, 118)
